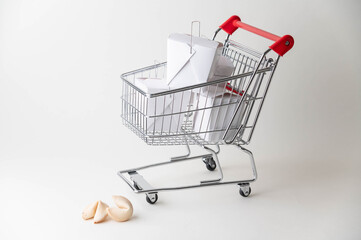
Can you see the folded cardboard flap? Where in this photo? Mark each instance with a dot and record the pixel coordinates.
(186, 68)
(151, 85)
(161, 114)
(224, 68)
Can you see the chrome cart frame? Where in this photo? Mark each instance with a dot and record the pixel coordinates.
(184, 117)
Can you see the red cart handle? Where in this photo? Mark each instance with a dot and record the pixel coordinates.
(281, 45)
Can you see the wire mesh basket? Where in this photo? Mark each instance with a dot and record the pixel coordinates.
(196, 114)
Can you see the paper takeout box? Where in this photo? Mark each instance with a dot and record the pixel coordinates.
(215, 114)
(163, 114)
(223, 68)
(186, 67)
(151, 85)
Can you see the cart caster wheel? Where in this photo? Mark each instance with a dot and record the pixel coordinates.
(210, 163)
(151, 198)
(245, 190)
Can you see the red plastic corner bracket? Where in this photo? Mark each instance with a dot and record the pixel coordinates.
(283, 45)
(228, 25)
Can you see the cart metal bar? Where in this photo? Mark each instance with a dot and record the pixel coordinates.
(204, 184)
(241, 101)
(152, 95)
(262, 101)
(250, 99)
(143, 69)
(183, 156)
(245, 49)
(215, 158)
(163, 163)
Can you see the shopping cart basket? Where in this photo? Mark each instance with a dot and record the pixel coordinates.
(184, 117)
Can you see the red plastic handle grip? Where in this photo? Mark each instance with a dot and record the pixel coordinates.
(281, 45)
(255, 30)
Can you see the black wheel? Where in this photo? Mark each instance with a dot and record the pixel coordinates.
(245, 192)
(150, 200)
(210, 164)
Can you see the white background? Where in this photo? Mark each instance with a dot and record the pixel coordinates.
(62, 141)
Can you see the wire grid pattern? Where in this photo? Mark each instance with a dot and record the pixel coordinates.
(198, 114)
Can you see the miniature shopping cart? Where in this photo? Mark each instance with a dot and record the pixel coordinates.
(185, 116)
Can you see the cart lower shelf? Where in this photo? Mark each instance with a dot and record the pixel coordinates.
(139, 185)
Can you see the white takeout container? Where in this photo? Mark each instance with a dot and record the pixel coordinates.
(164, 113)
(216, 119)
(186, 66)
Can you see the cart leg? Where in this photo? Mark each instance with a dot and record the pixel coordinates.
(183, 156)
(215, 158)
(253, 164)
(244, 188)
(209, 161)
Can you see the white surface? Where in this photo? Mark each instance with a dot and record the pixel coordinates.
(61, 139)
